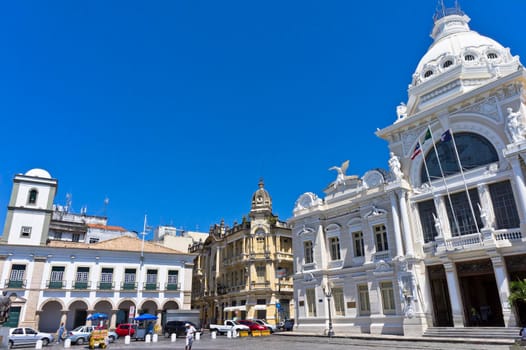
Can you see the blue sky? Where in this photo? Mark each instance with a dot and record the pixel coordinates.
(175, 109)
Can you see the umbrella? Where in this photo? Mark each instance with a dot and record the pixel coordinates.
(145, 317)
(97, 316)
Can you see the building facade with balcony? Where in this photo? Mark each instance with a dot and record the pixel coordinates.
(245, 271)
(54, 280)
(436, 241)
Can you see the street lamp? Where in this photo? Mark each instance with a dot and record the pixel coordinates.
(327, 290)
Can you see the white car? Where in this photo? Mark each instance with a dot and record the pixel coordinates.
(271, 327)
(28, 336)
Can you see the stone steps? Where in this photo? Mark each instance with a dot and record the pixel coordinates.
(473, 332)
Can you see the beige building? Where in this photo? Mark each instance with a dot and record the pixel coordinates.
(245, 271)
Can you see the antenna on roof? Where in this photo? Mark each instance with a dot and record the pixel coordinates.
(145, 229)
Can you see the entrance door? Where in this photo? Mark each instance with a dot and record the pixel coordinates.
(480, 296)
(14, 316)
(442, 316)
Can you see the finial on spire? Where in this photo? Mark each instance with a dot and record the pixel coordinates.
(443, 11)
(261, 183)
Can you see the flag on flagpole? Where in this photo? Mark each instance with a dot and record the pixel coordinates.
(417, 151)
(446, 136)
(427, 135)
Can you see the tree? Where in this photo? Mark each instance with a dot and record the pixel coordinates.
(517, 292)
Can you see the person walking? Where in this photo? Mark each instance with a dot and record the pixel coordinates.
(61, 333)
(190, 331)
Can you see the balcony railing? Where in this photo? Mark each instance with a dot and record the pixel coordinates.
(106, 285)
(81, 285)
(129, 286)
(55, 284)
(508, 235)
(458, 242)
(17, 284)
(151, 286)
(173, 286)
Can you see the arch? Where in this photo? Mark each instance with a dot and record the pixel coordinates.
(149, 306)
(474, 151)
(77, 313)
(50, 315)
(103, 305)
(171, 304)
(471, 123)
(52, 300)
(124, 306)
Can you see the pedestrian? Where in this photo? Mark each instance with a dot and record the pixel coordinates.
(61, 332)
(190, 331)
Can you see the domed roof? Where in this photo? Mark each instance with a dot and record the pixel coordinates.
(38, 173)
(458, 60)
(261, 199)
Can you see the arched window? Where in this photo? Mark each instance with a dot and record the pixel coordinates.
(448, 63)
(473, 150)
(428, 74)
(32, 198)
(469, 57)
(492, 56)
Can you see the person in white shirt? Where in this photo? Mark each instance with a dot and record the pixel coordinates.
(190, 331)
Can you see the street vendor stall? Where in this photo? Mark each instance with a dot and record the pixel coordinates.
(99, 336)
(146, 325)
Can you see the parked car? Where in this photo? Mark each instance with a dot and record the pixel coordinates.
(228, 325)
(286, 325)
(177, 327)
(125, 329)
(271, 327)
(254, 326)
(28, 336)
(81, 334)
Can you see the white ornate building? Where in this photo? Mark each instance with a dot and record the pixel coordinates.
(426, 244)
(54, 274)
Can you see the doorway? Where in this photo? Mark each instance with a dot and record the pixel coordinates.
(442, 316)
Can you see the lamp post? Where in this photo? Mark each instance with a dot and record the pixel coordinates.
(327, 290)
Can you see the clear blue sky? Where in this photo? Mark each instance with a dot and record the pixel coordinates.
(175, 109)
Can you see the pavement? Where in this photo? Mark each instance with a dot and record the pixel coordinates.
(300, 341)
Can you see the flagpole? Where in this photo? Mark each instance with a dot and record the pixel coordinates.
(444, 180)
(464, 180)
(430, 185)
(143, 234)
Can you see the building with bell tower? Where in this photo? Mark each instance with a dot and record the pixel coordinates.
(245, 271)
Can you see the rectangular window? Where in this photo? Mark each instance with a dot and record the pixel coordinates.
(339, 301)
(75, 237)
(130, 276)
(173, 280)
(311, 302)
(358, 243)
(504, 207)
(307, 251)
(106, 278)
(388, 300)
(426, 210)
(57, 276)
(261, 272)
(25, 231)
(151, 279)
(57, 236)
(81, 280)
(16, 278)
(380, 235)
(463, 223)
(260, 244)
(363, 296)
(334, 243)
(93, 239)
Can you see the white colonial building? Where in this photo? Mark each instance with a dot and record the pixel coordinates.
(435, 241)
(55, 274)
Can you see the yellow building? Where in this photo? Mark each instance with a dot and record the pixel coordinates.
(245, 271)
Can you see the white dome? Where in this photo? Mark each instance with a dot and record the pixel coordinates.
(38, 173)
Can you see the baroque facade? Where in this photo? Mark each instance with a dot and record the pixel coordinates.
(245, 271)
(53, 273)
(435, 241)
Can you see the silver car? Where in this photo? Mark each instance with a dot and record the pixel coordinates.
(28, 336)
(81, 334)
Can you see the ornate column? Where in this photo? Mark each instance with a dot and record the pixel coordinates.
(113, 318)
(501, 277)
(519, 187)
(408, 239)
(454, 294)
(396, 225)
(321, 247)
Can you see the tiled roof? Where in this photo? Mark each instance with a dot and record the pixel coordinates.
(109, 228)
(123, 243)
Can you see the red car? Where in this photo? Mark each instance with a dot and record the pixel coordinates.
(125, 329)
(253, 325)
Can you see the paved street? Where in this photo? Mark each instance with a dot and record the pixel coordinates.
(291, 343)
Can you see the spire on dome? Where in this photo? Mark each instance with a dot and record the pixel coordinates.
(443, 11)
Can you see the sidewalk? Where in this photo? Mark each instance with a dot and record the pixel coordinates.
(486, 341)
